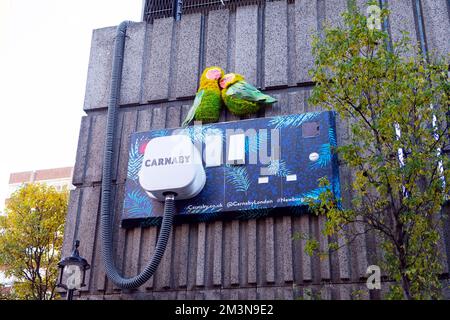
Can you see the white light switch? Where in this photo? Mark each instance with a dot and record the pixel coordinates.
(236, 148)
(213, 150)
(291, 177)
(263, 180)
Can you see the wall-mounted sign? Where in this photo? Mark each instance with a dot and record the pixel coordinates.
(252, 166)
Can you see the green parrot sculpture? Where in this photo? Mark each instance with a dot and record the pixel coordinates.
(207, 102)
(240, 97)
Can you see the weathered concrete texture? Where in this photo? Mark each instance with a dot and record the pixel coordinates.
(187, 73)
(305, 26)
(130, 92)
(437, 25)
(99, 70)
(275, 44)
(333, 12)
(217, 39)
(402, 19)
(71, 220)
(246, 49)
(128, 121)
(94, 156)
(291, 43)
(86, 231)
(83, 142)
(100, 66)
(158, 59)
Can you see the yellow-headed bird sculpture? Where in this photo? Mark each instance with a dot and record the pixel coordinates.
(207, 102)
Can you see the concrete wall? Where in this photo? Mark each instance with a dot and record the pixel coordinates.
(254, 259)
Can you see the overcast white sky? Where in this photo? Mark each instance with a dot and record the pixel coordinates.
(44, 53)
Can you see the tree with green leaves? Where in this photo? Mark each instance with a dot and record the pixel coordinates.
(396, 102)
(31, 236)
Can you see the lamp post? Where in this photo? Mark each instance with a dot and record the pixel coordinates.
(75, 266)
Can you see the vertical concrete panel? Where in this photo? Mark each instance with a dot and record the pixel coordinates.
(345, 291)
(209, 255)
(212, 295)
(71, 218)
(217, 38)
(164, 272)
(296, 102)
(192, 257)
(360, 251)
(270, 250)
(343, 259)
(442, 253)
(266, 293)
(132, 252)
(243, 253)
(184, 110)
(342, 130)
(86, 231)
(201, 255)
(325, 292)
(231, 57)
(246, 50)
(99, 69)
(128, 127)
(173, 117)
(402, 19)
(437, 25)
(226, 254)
(291, 43)
(234, 268)
(297, 251)
(217, 258)
(158, 118)
(187, 73)
(325, 273)
(251, 252)
(286, 241)
(275, 44)
(305, 26)
(148, 243)
(144, 120)
(156, 79)
(98, 265)
(119, 234)
(95, 152)
(130, 92)
(83, 142)
(333, 12)
(306, 259)
(182, 249)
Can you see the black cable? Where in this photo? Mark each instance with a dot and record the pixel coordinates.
(106, 209)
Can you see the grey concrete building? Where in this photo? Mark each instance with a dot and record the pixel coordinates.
(269, 42)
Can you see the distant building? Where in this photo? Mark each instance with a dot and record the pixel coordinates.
(56, 177)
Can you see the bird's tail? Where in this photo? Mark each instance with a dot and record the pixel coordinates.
(269, 100)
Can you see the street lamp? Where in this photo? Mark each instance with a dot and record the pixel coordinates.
(75, 266)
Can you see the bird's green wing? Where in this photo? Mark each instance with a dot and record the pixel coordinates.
(244, 90)
(195, 105)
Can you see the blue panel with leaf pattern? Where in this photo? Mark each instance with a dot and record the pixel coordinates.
(265, 184)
